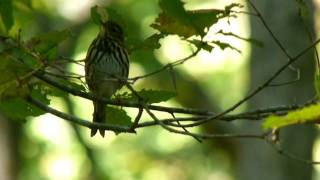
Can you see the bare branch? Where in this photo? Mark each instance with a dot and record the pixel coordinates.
(77, 120)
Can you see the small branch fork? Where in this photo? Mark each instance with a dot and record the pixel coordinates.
(180, 125)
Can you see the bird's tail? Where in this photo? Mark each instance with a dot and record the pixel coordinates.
(99, 115)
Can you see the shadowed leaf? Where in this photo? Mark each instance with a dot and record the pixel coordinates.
(223, 45)
(317, 84)
(6, 13)
(19, 109)
(174, 19)
(46, 44)
(150, 96)
(117, 116)
(202, 45)
(150, 43)
(14, 76)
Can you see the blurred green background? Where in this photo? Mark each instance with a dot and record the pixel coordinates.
(47, 147)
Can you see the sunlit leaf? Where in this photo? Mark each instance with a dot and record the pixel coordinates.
(27, 3)
(6, 13)
(307, 114)
(228, 8)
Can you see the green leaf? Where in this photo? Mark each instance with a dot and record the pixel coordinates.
(169, 25)
(204, 19)
(174, 19)
(150, 43)
(202, 45)
(117, 116)
(175, 9)
(19, 109)
(27, 3)
(317, 84)
(21, 55)
(40, 93)
(307, 114)
(227, 10)
(12, 88)
(45, 44)
(150, 96)
(223, 45)
(6, 13)
(14, 77)
(16, 67)
(6, 43)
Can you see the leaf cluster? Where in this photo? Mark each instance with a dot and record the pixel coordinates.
(21, 62)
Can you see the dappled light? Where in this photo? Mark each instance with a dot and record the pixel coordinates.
(215, 89)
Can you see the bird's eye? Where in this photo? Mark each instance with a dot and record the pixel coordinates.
(114, 29)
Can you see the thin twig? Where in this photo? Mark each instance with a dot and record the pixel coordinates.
(90, 96)
(292, 156)
(77, 120)
(167, 66)
(137, 119)
(283, 49)
(261, 87)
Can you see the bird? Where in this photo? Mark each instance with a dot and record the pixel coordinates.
(106, 68)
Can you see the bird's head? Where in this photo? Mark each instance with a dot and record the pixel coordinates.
(112, 30)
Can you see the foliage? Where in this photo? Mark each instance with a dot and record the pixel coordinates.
(309, 114)
(25, 58)
(18, 109)
(118, 116)
(6, 13)
(175, 20)
(20, 60)
(317, 84)
(149, 96)
(46, 44)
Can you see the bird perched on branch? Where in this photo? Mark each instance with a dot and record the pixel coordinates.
(106, 67)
